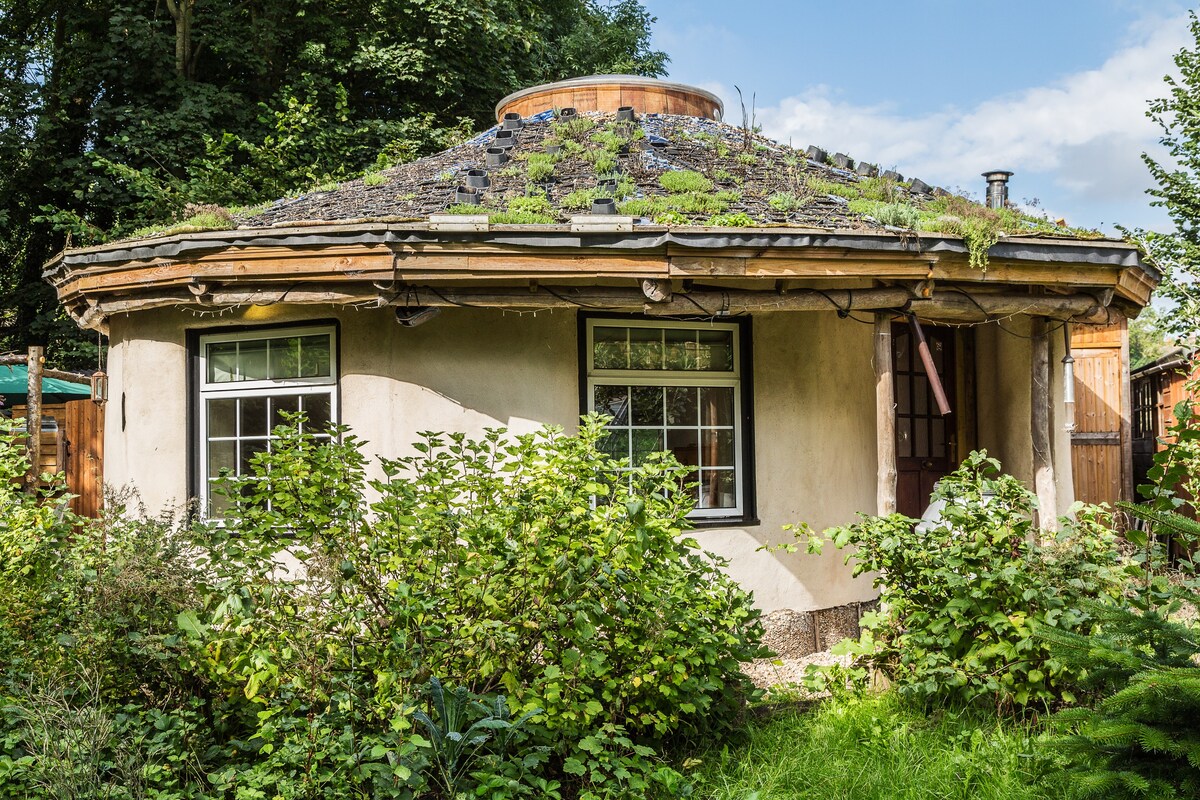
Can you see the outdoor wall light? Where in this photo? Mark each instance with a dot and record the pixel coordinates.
(1068, 363)
(412, 316)
(99, 382)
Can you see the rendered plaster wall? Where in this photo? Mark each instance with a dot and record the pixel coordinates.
(1004, 373)
(468, 370)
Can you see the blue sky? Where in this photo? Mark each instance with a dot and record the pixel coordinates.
(942, 90)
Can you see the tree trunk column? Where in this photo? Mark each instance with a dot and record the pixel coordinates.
(885, 416)
(1043, 459)
(33, 418)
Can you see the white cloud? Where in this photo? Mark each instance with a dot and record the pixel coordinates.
(1078, 139)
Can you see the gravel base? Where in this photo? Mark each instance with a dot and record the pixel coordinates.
(787, 673)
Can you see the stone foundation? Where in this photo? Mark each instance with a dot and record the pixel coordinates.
(794, 634)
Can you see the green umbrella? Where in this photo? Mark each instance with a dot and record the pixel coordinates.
(14, 387)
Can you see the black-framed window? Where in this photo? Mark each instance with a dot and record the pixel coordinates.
(679, 386)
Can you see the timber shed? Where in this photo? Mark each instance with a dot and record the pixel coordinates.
(613, 245)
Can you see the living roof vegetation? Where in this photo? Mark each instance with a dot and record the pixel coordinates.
(661, 169)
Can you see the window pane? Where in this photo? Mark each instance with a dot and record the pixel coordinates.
(615, 444)
(222, 417)
(921, 437)
(937, 349)
(613, 401)
(716, 406)
(645, 443)
(645, 348)
(222, 362)
(902, 353)
(938, 439)
(253, 412)
(903, 399)
(252, 360)
(718, 448)
(921, 393)
(221, 455)
(716, 350)
(717, 489)
(681, 405)
(287, 404)
(218, 503)
(685, 444)
(647, 405)
(247, 450)
(610, 350)
(319, 411)
(681, 348)
(691, 485)
(903, 437)
(285, 358)
(315, 357)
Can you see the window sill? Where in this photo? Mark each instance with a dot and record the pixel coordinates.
(724, 522)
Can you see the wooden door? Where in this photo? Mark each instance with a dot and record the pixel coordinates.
(1101, 445)
(85, 456)
(925, 440)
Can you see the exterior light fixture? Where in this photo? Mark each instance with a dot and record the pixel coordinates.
(412, 316)
(99, 381)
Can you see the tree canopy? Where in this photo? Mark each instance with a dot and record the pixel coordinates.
(119, 114)
(1177, 189)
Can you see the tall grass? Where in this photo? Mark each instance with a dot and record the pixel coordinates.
(874, 747)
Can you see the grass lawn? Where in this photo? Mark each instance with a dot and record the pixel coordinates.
(848, 748)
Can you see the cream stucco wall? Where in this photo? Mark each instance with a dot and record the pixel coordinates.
(469, 369)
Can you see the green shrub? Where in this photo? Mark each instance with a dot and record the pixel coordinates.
(959, 599)
(898, 215)
(684, 181)
(487, 563)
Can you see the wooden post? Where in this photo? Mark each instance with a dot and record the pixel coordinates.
(885, 416)
(1039, 408)
(33, 418)
(1126, 417)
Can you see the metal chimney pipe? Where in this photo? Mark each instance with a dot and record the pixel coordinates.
(997, 191)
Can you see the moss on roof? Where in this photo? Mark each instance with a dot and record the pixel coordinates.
(662, 169)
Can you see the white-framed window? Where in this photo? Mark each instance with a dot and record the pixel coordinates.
(674, 386)
(247, 381)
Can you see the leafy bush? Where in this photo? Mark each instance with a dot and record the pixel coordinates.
(536, 567)
(959, 598)
(298, 648)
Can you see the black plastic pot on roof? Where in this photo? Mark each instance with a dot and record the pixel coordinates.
(467, 196)
(817, 154)
(512, 121)
(604, 205)
(496, 156)
(478, 179)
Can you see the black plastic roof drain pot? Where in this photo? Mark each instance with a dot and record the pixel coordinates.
(566, 113)
(867, 170)
(505, 139)
(607, 185)
(553, 149)
(658, 147)
(512, 121)
(496, 156)
(843, 161)
(478, 179)
(625, 114)
(604, 205)
(920, 186)
(892, 175)
(817, 154)
(467, 196)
